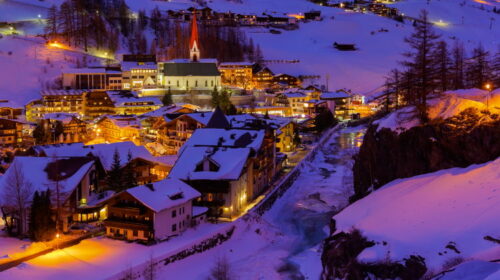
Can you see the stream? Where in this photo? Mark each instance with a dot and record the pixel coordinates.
(321, 190)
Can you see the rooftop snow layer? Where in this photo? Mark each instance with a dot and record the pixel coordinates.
(164, 194)
(230, 162)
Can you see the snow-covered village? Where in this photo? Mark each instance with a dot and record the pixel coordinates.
(249, 139)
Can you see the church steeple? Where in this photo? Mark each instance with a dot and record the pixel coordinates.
(194, 49)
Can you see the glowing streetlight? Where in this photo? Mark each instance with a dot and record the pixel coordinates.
(487, 86)
(39, 16)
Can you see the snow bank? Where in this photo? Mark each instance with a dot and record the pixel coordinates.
(423, 214)
(473, 270)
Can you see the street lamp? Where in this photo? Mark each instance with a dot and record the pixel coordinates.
(57, 241)
(487, 86)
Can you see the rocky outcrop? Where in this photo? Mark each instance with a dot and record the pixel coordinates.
(339, 259)
(469, 138)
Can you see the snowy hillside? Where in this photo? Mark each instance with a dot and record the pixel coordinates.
(311, 44)
(442, 216)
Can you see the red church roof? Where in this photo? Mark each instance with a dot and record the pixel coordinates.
(194, 32)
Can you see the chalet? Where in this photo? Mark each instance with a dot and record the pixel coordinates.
(262, 77)
(128, 103)
(222, 175)
(148, 168)
(11, 132)
(312, 15)
(55, 101)
(97, 104)
(9, 110)
(283, 127)
(119, 128)
(73, 182)
(338, 102)
(293, 99)
(173, 134)
(237, 74)
(149, 212)
(287, 80)
(254, 170)
(74, 129)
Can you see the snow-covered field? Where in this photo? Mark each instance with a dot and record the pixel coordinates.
(10, 246)
(423, 214)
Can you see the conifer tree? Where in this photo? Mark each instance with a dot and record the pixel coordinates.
(442, 66)
(457, 66)
(167, 98)
(114, 179)
(215, 97)
(129, 178)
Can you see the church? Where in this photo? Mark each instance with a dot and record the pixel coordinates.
(195, 75)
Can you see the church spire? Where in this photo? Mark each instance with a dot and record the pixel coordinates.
(194, 50)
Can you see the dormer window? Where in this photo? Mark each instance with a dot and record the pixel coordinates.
(207, 165)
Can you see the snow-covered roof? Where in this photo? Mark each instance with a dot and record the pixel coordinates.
(163, 111)
(104, 152)
(294, 94)
(237, 138)
(90, 71)
(123, 121)
(241, 63)
(230, 163)
(241, 121)
(164, 194)
(202, 117)
(121, 99)
(129, 65)
(333, 95)
(38, 173)
(62, 117)
(185, 60)
(52, 92)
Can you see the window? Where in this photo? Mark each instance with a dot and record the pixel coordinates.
(174, 227)
(174, 214)
(135, 233)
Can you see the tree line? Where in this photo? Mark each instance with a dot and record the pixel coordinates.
(431, 67)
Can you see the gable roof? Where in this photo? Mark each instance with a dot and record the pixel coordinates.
(164, 194)
(234, 138)
(231, 163)
(218, 119)
(333, 95)
(104, 152)
(190, 69)
(41, 173)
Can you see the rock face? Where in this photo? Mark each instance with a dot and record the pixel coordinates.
(468, 138)
(339, 259)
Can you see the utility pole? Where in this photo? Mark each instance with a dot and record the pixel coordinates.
(327, 80)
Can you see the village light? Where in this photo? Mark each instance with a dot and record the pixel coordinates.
(487, 86)
(39, 16)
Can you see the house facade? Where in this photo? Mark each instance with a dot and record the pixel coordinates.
(154, 211)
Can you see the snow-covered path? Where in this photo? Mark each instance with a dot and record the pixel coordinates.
(285, 242)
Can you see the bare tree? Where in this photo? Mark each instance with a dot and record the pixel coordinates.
(221, 270)
(149, 272)
(17, 194)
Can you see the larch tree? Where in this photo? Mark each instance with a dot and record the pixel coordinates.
(420, 62)
(478, 68)
(457, 66)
